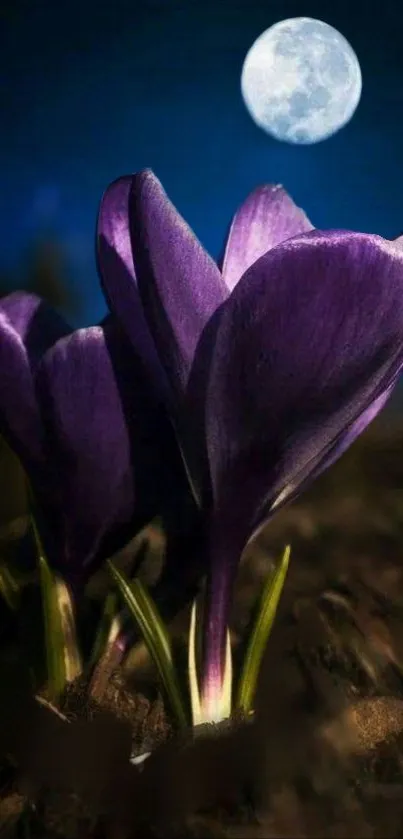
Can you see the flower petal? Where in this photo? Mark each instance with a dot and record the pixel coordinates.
(179, 283)
(309, 341)
(312, 348)
(28, 326)
(111, 448)
(119, 277)
(328, 457)
(264, 220)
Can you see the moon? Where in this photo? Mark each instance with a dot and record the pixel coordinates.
(301, 81)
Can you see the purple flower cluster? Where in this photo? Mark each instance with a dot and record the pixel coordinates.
(242, 381)
(94, 440)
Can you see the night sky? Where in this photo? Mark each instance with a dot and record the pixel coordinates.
(91, 91)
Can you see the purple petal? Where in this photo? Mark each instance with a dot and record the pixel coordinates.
(265, 219)
(179, 283)
(119, 277)
(111, 449)
(311, 349)
(307, 347)
(27, 328)
(326, 458)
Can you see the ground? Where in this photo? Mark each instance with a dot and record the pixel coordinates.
(323, 756)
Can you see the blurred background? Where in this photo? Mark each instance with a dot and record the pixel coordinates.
(92, 90)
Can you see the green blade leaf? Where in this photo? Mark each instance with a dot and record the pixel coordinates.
(108, 630)
(195, 700)
(260, 634)
(63, 658)
(156, 638)
(9, 588)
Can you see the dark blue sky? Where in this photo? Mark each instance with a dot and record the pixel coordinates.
(91, 91)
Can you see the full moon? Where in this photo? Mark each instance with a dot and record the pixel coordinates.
(301, 81)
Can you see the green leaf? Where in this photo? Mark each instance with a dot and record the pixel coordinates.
(108, 630)
(9, 588)
(63, 658)
(195, 699)
(260, 634)
(156, 638)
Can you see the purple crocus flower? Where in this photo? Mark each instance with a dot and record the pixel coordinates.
(275, 361)
(96, 443)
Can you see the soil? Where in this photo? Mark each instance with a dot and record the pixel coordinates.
(323, 755)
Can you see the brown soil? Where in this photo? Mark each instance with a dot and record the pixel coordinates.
(323, 756)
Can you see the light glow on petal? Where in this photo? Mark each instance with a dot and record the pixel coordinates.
(217, 700)
(267, 218)
(216, 703)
